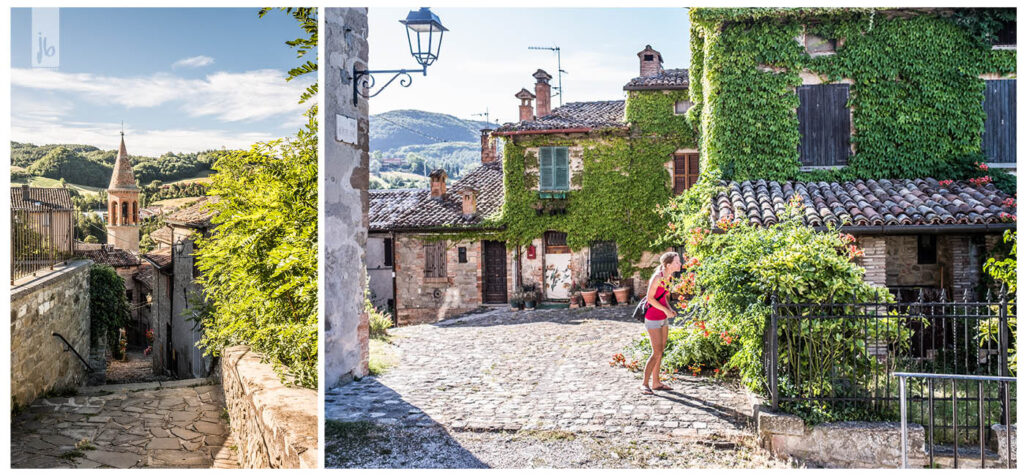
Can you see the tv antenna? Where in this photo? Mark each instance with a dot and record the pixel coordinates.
(486, 115)
(558, 52)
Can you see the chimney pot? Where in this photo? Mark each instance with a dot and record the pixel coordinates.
(24, 192)
(526, 105)
(438, 187)
(488, 147)
(543, 91)
(468, 202)
(650, 62)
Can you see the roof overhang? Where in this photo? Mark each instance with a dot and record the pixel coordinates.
(940, 229)
(574, 130)
(655, 88)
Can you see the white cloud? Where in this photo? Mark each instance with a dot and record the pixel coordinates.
(193, 62)
(231, 97)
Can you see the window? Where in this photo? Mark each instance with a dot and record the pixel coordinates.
(604, 260)
(685, 171)
(1006, 37)
(824, 126)
(648, 57)
(682, 107)
(999, 140)
(555, 242)
(462, 254)
(554, 168)
(819, 46)
(435, 265)
(388, 251)
(926, 249)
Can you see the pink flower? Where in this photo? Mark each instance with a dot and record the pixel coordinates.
(981, 166)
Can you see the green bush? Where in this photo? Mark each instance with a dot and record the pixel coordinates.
(380, 322)
(108, 305)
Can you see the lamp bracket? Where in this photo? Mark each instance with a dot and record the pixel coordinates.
(363, 81)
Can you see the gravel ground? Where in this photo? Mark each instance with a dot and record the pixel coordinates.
(366, 445)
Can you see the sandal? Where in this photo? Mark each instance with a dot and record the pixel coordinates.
(644, 389)
(663, 387)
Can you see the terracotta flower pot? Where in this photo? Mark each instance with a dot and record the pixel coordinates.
(606, 297)
(622, 295)
(589, 297)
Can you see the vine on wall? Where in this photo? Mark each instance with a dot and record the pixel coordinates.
(916, 92)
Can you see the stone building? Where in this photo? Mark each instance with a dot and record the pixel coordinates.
(127, 265)
(346, 176)
(41, 218)
(438, 268)
(175, 293)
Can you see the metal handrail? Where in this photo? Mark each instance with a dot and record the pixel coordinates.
(72, 349)
(981, 379)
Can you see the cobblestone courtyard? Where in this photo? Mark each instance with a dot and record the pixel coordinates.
(472, 390)
(153, 424)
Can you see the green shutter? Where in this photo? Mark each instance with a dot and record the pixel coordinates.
(561, 168)
(546, 169)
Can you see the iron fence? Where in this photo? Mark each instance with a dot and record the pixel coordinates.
(839, 358)
(978, 405)
(40, 240)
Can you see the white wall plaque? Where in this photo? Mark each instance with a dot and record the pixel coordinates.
(347, 129)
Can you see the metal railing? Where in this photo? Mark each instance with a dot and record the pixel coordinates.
(841, 356)
(982, 416)
(40, 240)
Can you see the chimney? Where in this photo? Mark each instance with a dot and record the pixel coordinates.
(24, 192)
(488, 148)
(468, 202)
(543, 90)
(437, 184)
(526, 106)
(650, 62)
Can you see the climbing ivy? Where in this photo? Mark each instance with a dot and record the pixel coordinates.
(617, 194)
(916, 92)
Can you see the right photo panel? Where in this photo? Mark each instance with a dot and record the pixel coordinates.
(670, 237)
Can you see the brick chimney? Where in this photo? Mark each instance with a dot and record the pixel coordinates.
(24, 192)
(543, 90)
(468, 202)
(437, 184)
(526, 106)
(488, 147)
(650, 62)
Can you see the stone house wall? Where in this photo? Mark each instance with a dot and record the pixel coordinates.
(346, 176)
(160, 320)
(274, 425)
(892, 261)
(422, 299)
(184, 332)
(56, 302)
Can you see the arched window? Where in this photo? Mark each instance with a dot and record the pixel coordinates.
(124, 213)
(113, 213)
(135, 212)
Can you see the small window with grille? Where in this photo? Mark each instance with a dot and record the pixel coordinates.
(682, 106)
(555, 242)
(604, 260)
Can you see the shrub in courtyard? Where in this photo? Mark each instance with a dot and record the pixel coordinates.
(1003, 269)
(108, 306)
(380, 321)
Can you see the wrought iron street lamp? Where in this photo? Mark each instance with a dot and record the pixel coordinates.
(426, 27)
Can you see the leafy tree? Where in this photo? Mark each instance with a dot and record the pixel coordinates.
(64, 163)
(91, 239)
(108, 305)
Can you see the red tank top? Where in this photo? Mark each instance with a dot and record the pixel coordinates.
(653, 313)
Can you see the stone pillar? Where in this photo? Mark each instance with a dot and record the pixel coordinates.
(873, 260)
(966, 251)
(346, 176)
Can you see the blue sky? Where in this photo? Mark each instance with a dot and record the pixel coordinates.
(181, 79)
(484, 58)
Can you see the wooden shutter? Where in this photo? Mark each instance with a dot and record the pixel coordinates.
(999, 141)
(435, 264)
(685, 171)
(546, 168)
(824, 124)
(561, 168)
(388, 253)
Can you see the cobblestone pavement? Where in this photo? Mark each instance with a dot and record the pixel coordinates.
(528, 372)
(138, 367)
(166, 425)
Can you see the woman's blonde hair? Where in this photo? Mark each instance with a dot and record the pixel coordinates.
(663, 261)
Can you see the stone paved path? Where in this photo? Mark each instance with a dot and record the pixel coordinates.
(165, 425)
(543, 370)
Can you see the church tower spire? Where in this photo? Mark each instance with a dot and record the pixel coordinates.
(123, 204)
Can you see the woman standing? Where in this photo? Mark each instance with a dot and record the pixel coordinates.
(656, 318)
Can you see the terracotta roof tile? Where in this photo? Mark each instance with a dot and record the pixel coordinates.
(667, 79)
(145, 274)
(122, 177)
(162, 235)
(160, 257)
(41, 199)
(897, 202)
(575, 115)
(196, 215)
(412, 209)
(108, 254)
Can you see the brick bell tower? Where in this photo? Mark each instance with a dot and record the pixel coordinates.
(123, 204)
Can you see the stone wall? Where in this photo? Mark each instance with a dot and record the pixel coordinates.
(56, 302)
(422, 299)
(185, 333)
(874, 259)
(274, 425)
(346, 175)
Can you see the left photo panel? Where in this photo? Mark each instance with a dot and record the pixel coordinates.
(163, 230)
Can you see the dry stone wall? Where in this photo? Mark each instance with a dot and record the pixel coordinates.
(274, 425)
(57, 302)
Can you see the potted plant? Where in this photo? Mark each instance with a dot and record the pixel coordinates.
(589, 294)
(605, 297)
(515, 301)
(530, 296)
(621, 290)
(575, 298)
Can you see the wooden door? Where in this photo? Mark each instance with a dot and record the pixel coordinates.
(495, 275)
